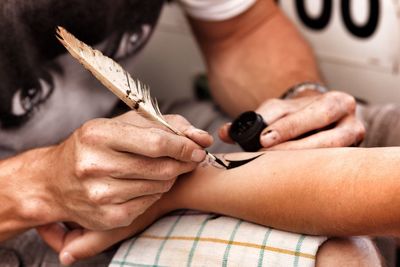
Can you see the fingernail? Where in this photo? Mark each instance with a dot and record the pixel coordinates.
(200, 131)
(193, 130)
(267, 132)
(269, 138)
(67, 259)
(198, 155)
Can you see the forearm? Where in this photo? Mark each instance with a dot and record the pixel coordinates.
(326, 191)
(255, 56)
(345, 191)
(23, 203)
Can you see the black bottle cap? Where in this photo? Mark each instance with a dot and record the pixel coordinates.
(246, 129)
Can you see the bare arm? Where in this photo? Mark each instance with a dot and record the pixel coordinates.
(254, 57)
(347, 191)
(19, 197)
(335, 192)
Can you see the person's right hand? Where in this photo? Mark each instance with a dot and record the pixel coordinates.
(110, 171)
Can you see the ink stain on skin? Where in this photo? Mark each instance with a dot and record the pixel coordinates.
(231, 164)
(221, 163)
(210, 162)
(237, 163)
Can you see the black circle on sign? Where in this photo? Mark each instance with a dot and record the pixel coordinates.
(366, 30)
(317, 23)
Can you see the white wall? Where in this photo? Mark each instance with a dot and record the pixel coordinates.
(171, 59)
(365, 67)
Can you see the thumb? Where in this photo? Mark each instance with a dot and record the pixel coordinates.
(80, 244)
(53, 234)
(198, 136)
(223, 133)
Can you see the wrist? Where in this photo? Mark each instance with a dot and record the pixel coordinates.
(304, 89)
(30, 186)
(170, 201)
(195, 190)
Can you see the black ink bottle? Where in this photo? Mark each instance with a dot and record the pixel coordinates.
(246, 129)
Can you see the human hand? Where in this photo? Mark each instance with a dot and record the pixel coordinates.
(189, 192)
(111, 170)
(290, 122)
(79, 243)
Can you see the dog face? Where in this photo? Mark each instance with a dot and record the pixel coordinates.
(44, 93)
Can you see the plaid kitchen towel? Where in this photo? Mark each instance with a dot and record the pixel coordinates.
(191, 238)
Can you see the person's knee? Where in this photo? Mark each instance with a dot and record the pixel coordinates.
(352, 251)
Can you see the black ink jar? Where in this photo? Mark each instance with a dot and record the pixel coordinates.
(246, 129)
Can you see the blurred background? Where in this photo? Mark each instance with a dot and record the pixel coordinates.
(357, 44)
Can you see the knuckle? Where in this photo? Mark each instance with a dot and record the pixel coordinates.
(90, 133)
(287, 131)
(87, 164)
(99, 194)
(346, 137)
(328, 112)
(338, 143)
(343, 99)
(270, 103)
(156, 142)
(342, 142)
(177, 119)
(119, 217)
(32, 210)
(360, 131)
(83, 168)
(339, 139)
(169, 171)
(184, 151)
(273, 102)
(96, 221)
(131, 115)
(349, 102)
(335, 95)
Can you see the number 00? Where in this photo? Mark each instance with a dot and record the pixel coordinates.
(322, 20)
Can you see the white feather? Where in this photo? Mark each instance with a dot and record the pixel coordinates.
(132, 91)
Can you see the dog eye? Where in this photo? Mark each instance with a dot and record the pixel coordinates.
(25, 100)
(131, 42)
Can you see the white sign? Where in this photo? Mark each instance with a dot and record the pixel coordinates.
(360, 32)
(357, 43)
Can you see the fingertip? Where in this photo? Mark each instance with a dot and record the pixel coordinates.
(198, 155)
(80, 245)
(66, 258)
(199, 136)
(223, 133)
(269, 138)
(75, 247)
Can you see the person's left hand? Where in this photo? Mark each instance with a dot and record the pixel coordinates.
(79, 243)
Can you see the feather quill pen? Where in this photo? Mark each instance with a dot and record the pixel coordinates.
(131, 91)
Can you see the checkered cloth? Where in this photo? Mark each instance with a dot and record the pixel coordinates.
(198, 239)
